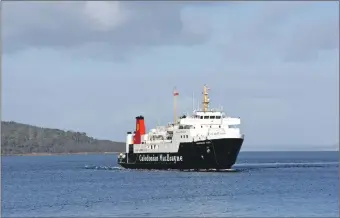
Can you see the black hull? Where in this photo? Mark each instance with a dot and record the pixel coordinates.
(203, 155)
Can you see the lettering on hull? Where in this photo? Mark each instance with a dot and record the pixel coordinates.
(203, 143)
(160, 158)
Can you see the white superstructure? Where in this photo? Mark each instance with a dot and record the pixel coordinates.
(202, 124)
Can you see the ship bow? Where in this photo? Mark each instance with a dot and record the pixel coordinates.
(226, 151)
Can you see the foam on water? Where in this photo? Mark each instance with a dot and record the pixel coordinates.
(89, 167)
(286, 165)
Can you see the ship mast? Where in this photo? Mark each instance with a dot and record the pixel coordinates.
(205, 99)
(175, 93)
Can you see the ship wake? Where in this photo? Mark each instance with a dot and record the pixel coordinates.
(90, 167)
(236, 168)
(249, 166)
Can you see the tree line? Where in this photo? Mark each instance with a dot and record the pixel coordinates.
(18, 138)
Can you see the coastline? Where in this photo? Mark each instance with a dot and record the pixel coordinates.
(59, 154)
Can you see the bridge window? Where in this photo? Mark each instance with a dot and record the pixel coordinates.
(201, 117)
(212, 117)
(218, 117)
(206, 117)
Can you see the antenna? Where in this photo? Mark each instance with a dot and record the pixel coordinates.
(193, 101)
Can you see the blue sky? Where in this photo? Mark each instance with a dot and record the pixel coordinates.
(94, 66)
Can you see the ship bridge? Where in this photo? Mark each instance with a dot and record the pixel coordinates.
(209, 118)
(211, 114)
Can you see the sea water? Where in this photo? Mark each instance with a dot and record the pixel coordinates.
(273, 184)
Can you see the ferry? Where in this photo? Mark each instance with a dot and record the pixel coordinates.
(207, 139)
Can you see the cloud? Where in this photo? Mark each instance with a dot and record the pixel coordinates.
(310, 38)
(283, 30)
(105, 15)
(118, 27)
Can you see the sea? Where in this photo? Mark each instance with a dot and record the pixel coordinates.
(263, 184)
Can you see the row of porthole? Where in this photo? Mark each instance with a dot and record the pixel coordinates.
(186, 136)
(210, 127)
(152, 146)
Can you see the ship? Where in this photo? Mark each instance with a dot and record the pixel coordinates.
(207, 139)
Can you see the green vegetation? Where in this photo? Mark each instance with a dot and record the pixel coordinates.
(17, 138)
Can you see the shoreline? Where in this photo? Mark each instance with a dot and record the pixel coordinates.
(59, 154)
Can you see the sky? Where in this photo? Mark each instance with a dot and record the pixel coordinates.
(94, 66)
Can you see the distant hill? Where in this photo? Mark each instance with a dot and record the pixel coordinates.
(17, 138)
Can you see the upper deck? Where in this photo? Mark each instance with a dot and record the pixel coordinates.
(199, 121)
